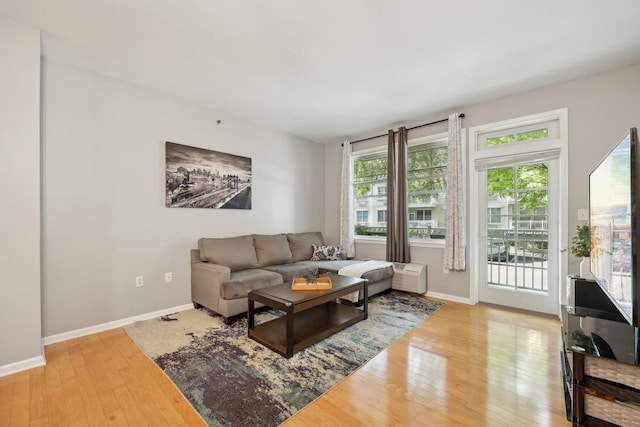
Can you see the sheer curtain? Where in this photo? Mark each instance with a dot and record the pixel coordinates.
(346, 203)
(454, 246)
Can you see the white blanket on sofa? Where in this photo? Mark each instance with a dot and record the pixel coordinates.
(357, 270)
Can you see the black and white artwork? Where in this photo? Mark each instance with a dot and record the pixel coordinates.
(200, 178)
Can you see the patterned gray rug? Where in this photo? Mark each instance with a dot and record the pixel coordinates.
(234, 381)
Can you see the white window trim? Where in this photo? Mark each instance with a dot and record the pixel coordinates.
(418, 243)
(549, 145)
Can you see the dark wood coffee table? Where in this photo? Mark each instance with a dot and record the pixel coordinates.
(309, 315)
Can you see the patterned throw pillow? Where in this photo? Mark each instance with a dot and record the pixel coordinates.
(326, 253)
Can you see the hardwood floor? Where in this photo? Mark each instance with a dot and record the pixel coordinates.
(464, 366)
(101, 379)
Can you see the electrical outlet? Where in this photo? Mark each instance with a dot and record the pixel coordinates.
(168, 278)
(139, 281)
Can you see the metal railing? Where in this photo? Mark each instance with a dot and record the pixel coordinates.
(518, 259)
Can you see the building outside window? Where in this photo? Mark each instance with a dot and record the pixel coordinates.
(426, 188)
(370, 192)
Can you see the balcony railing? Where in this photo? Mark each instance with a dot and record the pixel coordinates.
(529, 224)
(518, 258)
(415, 232)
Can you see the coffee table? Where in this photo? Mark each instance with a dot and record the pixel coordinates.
(309, 315)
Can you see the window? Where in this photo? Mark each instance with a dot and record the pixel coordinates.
(539, 131)
(370, 192)
(494, 215)
(423, 215)
(520, 136)
(426, 188)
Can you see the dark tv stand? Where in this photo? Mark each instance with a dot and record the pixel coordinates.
(599, 361)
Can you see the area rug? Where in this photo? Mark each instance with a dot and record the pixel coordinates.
(232, 380)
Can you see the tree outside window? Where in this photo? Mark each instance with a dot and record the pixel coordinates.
(426, 188)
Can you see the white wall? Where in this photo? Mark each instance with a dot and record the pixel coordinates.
(20, 323)
(104, 216)
(601, 108)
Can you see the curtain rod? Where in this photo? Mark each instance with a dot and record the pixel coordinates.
(411, 128)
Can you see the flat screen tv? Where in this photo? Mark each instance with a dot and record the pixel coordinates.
(614, 194)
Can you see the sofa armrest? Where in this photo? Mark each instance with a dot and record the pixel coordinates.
(206, 279)
(213, 269)
(195, 256)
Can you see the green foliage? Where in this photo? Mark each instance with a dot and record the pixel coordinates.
(426, 172)
(531, 182)
(522, 136)
(363, 230)
(580, 242)
(533, 134)
(499, 140)
(367, 172)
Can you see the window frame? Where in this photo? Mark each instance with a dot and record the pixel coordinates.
(381, 211)
(434, 141)
(441, 138)
(366, 220)
(551, 125)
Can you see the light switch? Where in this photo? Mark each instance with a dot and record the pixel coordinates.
(583, 214)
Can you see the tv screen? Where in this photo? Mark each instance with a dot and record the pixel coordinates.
(612, 218)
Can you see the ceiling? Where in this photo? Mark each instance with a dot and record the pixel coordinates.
(323, 69)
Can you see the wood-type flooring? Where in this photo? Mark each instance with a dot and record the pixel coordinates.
(463, 366)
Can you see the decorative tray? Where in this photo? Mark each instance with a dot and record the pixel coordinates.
(304, 284)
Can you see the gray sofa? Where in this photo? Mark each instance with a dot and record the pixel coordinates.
(224, 270)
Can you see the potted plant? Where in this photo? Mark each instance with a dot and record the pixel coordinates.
(581, 246)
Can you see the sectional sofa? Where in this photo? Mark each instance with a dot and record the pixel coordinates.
(225, 270)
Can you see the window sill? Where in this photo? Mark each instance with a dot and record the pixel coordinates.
(433, 243)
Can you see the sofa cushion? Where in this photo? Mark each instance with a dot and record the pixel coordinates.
(272, 249)
(301, 244)
(237, 253)
(326, 253)
(289, 271)
(241, 282)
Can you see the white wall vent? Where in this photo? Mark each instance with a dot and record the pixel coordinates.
(410, 278)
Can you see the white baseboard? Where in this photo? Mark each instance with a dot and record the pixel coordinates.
(111, 325)
(34, 362)
(23, 365)
(452, 298)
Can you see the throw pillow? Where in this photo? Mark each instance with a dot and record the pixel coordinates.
(326, 253)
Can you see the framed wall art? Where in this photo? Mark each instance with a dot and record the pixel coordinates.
(200, 178)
